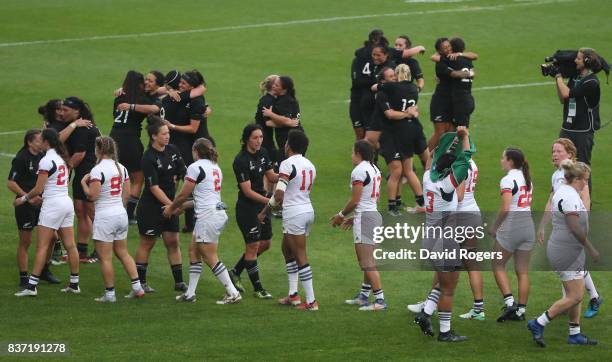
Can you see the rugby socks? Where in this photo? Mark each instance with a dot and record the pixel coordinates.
(590, 286)
(432, 301)
(379, 295)
(521, 309)
(82, 249)
(74, 280)
(544, 319)
(574, 328)
(195, 270)
(391, 205)
(131, 206)
(445, 321)
(141, 268)
(177, 273)
(136, 286)
(253, 270)
(365, 290)
(305, 273)
(508, 300)
(420, 200)
(398, 201)
(478, 306)
(23, 278)
(33, 282)
(239, 267)
(292, 275)
(220, 271)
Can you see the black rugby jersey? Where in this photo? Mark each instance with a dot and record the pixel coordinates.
(251, 167)
(161, 169)
(24, 169)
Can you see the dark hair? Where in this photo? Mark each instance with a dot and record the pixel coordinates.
(155, 124)
(205, 149)
(172, 79)
(297, 141)
(133, 86)
(457, 44)
(373, 38)
(594, 62)
(518, 161)
(194, 78)
(438, 43)
(247, 131)
(381, 75)
(384, 48)
(29, 136)
(407, 39)
(52, 137)
(78, 104)
(159, 77)
(287, 84)
(48, 109)
(364, 149)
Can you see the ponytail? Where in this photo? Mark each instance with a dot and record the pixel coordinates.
(205, 150)
(402, 72)
(519, 162)
(527, 175)
(106, 146)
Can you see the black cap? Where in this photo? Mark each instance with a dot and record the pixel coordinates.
(173, 78)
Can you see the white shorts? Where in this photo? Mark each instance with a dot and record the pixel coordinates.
(56, 213)
(570, 275)
(299, 224)
(363, 226)
(109, 228)
(209, 225)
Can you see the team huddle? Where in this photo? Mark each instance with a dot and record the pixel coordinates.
(116, 182)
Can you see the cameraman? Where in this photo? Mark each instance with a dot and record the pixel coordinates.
(580, 98)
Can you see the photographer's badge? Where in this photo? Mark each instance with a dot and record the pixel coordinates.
(571, 108)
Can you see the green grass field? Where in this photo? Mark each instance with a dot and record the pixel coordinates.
(313, 41)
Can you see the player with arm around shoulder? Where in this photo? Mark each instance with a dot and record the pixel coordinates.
(296, 177)
(365, 191)
(108, 187)
(203, 180)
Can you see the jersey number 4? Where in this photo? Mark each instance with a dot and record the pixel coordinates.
(61, 175)
(303, 187)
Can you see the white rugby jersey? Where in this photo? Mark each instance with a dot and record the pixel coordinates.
(207, 177)
(369, 177)
(566, 201)
(469, 202)
(111, 186)
(55, 167)
(301, 174)
(439, 196)
(558, 179)
(514, 183)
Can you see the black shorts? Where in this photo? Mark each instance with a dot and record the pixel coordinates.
(355, 110)
(130, 149)
(375, 123)
(77, 189)
(26, 216)
(402, 142)
(367, 106)
(185, 147)
(441, 108)
(463, 107)
(151, 221)
(250, 227)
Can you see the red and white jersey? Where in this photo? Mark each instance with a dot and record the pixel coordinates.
(301, 174)
(514, 183)
(567, 201)
(369, 177)
(55, 167)
(469, 202)
(110, 201)
(439, 196)
(207, 177)
(557, 179)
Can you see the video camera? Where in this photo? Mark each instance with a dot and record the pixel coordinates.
(563, 62)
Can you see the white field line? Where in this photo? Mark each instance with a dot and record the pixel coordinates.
(485, 88)
(284, 23)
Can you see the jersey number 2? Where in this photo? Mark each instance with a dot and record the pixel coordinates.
(61, 176)
(430, 201)
(217, 180)
(524, 199)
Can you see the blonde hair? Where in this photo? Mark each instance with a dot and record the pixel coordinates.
(574, 170)
(106, 146)
(402, 72)
(569, 147)
(266, 84)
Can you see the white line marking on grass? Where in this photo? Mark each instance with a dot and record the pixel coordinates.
(6, 155)
(485, 88)
(284, 23)
(10, 132)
